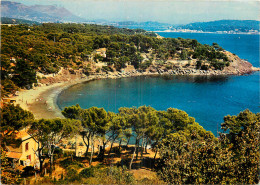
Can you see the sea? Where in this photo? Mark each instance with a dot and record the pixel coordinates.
(207, 99)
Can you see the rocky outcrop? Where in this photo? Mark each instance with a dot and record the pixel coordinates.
(62, 76)
(238, 66)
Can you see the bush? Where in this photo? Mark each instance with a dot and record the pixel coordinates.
(110, 175)
(72, 175)
(120, 175)
(67, 162)
(204, 67)
(88, 172)
(198, 64)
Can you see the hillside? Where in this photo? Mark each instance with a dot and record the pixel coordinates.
(104, 50)
(39, 13)
(7, 20)
(223, 25)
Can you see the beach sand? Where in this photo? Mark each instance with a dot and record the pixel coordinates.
(41, 101)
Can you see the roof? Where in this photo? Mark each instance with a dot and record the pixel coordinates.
(102, 49)
(13, 148)
(14, 155)
(22, 134)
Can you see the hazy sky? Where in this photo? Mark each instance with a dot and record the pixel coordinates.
(168, 11)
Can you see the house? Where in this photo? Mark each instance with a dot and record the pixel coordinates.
(24, 153)
(101, 52)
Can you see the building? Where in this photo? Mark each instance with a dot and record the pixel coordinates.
(24, 153)
(101, 52)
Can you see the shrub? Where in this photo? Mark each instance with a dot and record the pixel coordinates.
(120, 175)
(72, 175)
(88, 172)
(67, 162)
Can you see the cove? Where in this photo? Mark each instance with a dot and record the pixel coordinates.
(208, 99)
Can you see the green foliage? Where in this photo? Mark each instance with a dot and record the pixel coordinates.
(66, 163)
(110, 175)
(198, 64)
(218, 65)
(87, 172)
(9, 87)
(14, 118)
(195, 156)
(145, 65)
(8, 174)
(49, 46)
(6, 20)
(24, 75)
(188, 154)
(184, 55)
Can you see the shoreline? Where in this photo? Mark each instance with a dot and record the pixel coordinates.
(42, 101)
(241, 33)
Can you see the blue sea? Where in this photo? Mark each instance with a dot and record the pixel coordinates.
(207, 99)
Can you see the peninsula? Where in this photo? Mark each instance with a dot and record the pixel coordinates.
(51, 55)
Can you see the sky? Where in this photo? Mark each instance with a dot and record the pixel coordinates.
(166, 11)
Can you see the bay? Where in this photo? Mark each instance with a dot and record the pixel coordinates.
(208, 99)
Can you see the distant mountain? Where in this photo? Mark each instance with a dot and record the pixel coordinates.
(39, 13)
(7, 20)
(223, 25)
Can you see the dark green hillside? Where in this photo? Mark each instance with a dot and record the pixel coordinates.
(7, 20)
(47, 47)
(223, 25)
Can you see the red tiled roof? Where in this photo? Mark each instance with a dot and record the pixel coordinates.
(13, 155)
(18, 134)
(21, 134)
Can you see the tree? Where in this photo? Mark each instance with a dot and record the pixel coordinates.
(49, 132)
(60, 129)
(116, 129)
(24, 74)
(184, 55)
(183, 156)
(13, 118)
(195, 156)
(243, 141)
(39, 132)
(8, 87)
(178, 119)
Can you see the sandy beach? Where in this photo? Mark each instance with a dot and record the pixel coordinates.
(41, 101)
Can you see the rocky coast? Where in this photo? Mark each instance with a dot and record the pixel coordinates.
(41, 100)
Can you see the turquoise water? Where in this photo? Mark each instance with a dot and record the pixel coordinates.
(208, 99)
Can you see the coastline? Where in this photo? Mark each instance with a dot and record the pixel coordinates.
(41, 101)
(239, 33)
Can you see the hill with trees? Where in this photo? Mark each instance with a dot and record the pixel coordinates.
(223, 25)
(46, 48)
(7, 20)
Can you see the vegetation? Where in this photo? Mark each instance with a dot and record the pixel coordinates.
(7, 20)
(194, 156)
(47, 47)
(187, 154)
(223, 25)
